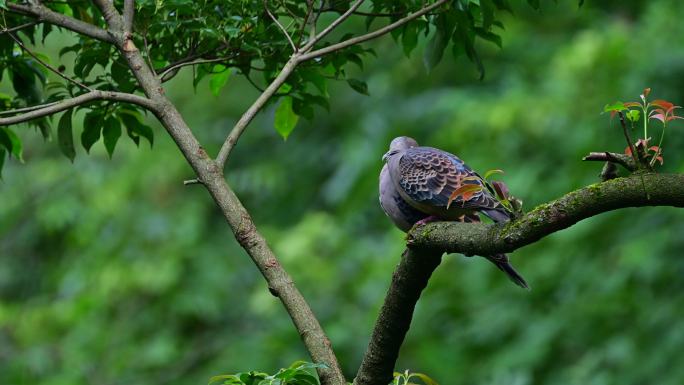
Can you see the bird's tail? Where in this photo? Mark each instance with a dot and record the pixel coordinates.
(497, 215)
(501, 261)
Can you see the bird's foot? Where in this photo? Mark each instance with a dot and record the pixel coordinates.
(429, 219)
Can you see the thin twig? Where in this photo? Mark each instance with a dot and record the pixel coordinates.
(247, 117)
(53, 108)
(26, 109)
(46, 65)
(625, 130)
(275, 20)
(370, 35)
(22, 26)
(147, 52)
(309, 45)
(309, 11)
(203, 61)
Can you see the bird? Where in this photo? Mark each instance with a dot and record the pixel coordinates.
(416, 186)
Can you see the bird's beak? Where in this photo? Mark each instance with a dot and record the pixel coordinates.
(384, 157)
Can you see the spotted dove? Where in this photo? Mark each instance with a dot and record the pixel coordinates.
(416, 184)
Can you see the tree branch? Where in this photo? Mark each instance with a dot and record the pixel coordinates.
(280, 26)
(408, 281)
(309, 45)
(301, 56)
(46, 65)
(13, 29)
(621, 159)
(53, 108)
(370, 35)
(210, 174)
(45, 14)
(637, 190)
(128, 14)
(174, 68)
(110, 14)
(251, 112)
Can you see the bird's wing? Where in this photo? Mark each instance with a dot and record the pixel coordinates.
(430, 176)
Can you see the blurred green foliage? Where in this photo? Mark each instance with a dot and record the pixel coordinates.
(112, 272)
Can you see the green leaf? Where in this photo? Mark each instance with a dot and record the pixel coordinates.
(219, 78)
(135, 128)
(2, 161)
(92, 127)
(111, 132)
(65, 137)
(617, 106)
(358, 85)
(492, 172)
(434, 51)
(12, 142)
(409, 38)
(3, 4)
(427, 380)
(633, 115)
(285, 117)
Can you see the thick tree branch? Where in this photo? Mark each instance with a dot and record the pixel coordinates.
(53, 108)
(408, 281)
(43, 13)
(111, 15)
(128, 15)
(371, 35)
(637, 190)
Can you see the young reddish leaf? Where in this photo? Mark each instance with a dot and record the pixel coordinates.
(659, 158)
(466, 192)
(501, 189)
(632, 104)
(662, 103)
(644, 95)
(659, 116)
(628, 151)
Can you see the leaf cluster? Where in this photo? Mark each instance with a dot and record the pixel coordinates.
(299, 373)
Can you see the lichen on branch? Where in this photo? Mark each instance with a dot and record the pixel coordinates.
(637, 190)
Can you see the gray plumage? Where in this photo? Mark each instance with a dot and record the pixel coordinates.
(416, 184)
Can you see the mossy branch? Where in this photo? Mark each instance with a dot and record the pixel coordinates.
(637, 190)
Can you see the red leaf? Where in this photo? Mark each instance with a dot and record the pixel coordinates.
(646, 92)
(662, 103)
(466, 192)
(660, 159)
(501, 189)
(628, 151)
(660, 117)
(654, 148)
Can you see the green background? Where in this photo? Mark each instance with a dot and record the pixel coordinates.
(113, 272)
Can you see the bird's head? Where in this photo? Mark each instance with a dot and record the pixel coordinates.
(399, 144)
